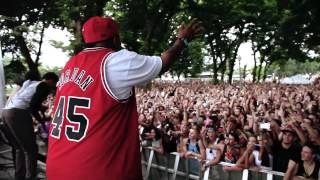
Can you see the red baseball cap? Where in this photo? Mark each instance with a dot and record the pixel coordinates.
(99, 28)
(287, 128)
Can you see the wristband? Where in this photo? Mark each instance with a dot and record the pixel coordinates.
(184, 41)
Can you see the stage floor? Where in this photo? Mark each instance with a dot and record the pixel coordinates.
(7, 167)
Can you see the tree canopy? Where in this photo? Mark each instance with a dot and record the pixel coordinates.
(277, 30)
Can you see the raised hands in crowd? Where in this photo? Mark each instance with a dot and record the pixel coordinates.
(250, 125)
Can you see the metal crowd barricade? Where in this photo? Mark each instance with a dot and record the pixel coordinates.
(166, 167)
(173, 167)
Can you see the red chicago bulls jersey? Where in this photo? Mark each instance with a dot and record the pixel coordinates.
(92, 135)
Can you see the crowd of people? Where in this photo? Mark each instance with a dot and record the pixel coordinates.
(270, 126)
(255, 126)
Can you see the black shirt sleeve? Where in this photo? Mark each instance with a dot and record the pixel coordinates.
(40, 95)
(296, 153)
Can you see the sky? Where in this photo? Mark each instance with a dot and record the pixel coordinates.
(52, 56)
(246, 55)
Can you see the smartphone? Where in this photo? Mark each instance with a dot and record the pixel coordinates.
(265, 126)
(257, 147)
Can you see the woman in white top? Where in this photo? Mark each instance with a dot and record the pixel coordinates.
(212, 154)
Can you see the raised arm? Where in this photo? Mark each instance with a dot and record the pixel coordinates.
(186, 34)
(291, 171)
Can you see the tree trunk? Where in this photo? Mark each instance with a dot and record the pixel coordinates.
(244, 73)
(147, 40)
(232, 61)
(26, 53)
(214, 64)
(230, 73)
(95, 8)
(260, 67)
(265, 71)
(78, 37)
(215, 72)
(223, 70)
(40, 43)
(254, 71)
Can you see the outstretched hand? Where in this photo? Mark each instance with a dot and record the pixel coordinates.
(190, 31)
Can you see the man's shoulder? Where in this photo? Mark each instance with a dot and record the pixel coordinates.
(122, 56)
(123, 52)
(296, 147)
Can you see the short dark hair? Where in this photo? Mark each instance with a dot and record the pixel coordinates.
(235, 135)
(312, 147)
(51, 76)
(108, 43)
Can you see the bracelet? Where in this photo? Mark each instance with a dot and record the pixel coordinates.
(184, 41)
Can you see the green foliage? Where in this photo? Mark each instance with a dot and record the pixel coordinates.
(278, 30)
(14, 71)
(190, 62)
(45, 69)
(293, 67)
(300, 26)
(145, 25)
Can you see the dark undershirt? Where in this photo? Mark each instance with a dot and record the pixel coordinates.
(42, 92)
(313, 175)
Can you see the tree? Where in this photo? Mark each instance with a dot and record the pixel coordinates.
(293, 67)
(300, 27)
(190, 62)
(14, 71)
(22, 31)
(30, 19)
(71, 15)
(278, 30)
(151, 34)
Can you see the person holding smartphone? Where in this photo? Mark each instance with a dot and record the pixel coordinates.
(255, 155)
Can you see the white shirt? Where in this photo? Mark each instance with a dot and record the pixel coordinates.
(22, 98)
(125, 69)
(211, 155)
(256, 158)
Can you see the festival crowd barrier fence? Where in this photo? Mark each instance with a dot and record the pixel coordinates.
(172, 166)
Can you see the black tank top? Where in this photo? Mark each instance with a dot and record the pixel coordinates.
(313, 175)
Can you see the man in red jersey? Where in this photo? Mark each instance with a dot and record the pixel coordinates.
(94, 132)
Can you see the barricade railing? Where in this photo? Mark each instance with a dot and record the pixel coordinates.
(174, 167)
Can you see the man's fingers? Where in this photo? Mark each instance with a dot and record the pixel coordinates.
(199, 29)
(182, 26)
(196, 24)
(192, 29)
(192, 22)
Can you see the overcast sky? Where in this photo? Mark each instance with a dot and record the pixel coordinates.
(52, 56)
